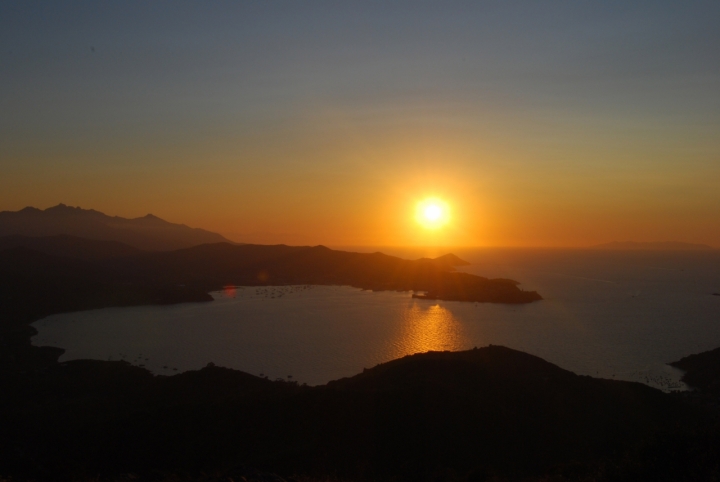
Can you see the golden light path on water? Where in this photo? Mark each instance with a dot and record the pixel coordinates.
(427, 328)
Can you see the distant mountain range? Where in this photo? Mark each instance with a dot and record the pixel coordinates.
(147, 233)
(656, 246)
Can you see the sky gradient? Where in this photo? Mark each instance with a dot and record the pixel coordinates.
(539, 123)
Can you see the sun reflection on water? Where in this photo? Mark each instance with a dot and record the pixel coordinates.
(427, 328)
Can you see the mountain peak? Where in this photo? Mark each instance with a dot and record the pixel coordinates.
(151, 219)
(451, 260)
(448, 260)
(59, 207)
(28, 209)
(74, 210)
(148, 232)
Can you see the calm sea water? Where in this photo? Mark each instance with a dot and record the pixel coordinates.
(620, 315)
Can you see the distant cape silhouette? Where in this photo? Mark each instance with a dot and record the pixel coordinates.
(449, 261)
(653, 246)
(147, 233)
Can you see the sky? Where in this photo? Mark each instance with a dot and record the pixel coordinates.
(559, 123)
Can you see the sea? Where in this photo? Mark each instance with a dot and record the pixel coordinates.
(619, 315)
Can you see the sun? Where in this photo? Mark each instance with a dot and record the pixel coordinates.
(432, 213)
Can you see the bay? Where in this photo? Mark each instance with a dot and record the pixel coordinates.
(618, 315)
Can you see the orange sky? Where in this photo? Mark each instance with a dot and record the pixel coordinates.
(561, 126)
(351, 185)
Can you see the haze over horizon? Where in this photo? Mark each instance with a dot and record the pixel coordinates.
(564, 124)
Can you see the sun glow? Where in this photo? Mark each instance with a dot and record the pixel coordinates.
(432, 213)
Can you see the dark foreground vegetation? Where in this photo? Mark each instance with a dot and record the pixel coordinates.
(489, 414)
(486, 414)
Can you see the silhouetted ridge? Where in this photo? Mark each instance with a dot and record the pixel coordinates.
(448, 261)
(42, 276)
(212, 266)
(451, 260)
(455, 416)
(148, 232)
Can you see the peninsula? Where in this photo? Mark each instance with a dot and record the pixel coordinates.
(87, 274)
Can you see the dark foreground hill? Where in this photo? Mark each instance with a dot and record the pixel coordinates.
(485, 414)
(148, 232)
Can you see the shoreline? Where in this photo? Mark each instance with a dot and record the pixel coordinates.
(328, 323)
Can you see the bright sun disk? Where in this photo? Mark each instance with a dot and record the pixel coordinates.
(432, 213)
